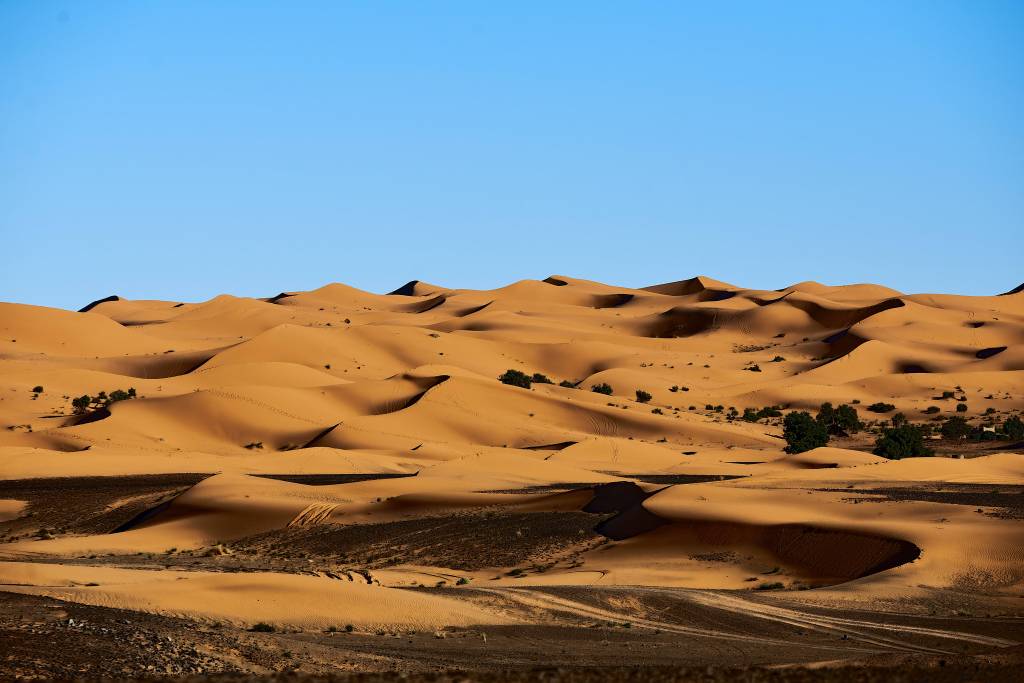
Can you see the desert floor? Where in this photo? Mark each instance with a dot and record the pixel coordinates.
(335, 482)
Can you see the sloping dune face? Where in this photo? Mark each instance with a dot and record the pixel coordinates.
(369, 439)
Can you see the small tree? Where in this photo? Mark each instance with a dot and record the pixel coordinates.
(515, 378)
(602, 388)
(841, 421)
(955, 427)
(1013, 427)
(118, 395)
(802, 432)
(81, 404)
(904, 441)
(642, 396)
(961, 407)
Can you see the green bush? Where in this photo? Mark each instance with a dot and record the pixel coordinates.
(955, 427)
(567, 384)
(753, 415)
(903, 441)
(642, 396)
(931, 410)
(81, 404)
(515, 378)
(881, 407)
(802, 432)
(540, 378)
(38, 389)
(961, 407)
(1013, 428)
(841, 421)
(602, 388)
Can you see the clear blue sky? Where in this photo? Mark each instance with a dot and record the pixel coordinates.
(184, 149)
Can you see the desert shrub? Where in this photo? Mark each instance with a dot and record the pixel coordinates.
(118, 395)
(775, 585)
(602, 388)
(955, 427)
(708, 406)
(658, 411)
(778, 359)
(349, 628)
(881, 407)
(903, 441)
(101, 400)
(982, 434)
(753, 367)
(262, 627)
(462, 581)
(254, 445)
(753, 415)
(961, 407)
(931, 410)
(515, 378)
(567, 384)
(642, 396)
(81, 404)
(1013, 428)
(540, 378)
(38, 389)
(674, 388)
(802, 432)
(841, 421)
(946, 395)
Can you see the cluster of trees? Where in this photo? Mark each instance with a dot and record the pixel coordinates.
(901, 440)
(956, 427)
(754, 415)
(83, 404)
(803, 432)
(898, 439)
(518, 378)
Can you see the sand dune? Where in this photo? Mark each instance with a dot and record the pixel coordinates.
(337, 431)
